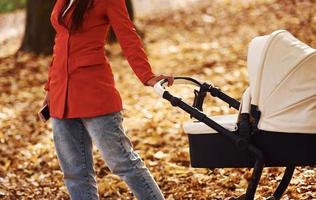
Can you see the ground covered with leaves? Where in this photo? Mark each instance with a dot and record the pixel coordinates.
(209, 42)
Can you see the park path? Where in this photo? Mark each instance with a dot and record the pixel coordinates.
(11, 32)
(11, 25)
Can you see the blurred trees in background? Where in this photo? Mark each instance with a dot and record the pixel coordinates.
(39, 33)
(11, 5)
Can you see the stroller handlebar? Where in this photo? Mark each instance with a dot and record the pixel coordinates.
(159, 87)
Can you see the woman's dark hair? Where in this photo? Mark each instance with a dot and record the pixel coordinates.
(81, 6)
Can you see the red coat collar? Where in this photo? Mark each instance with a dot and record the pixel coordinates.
(67, 17)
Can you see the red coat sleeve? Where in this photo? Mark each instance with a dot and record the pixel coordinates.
(46, 86)
(128, 38)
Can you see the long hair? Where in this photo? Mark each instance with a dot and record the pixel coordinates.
(81, 6)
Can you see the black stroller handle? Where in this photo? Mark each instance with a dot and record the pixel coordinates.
(214, 91)
(175, 101)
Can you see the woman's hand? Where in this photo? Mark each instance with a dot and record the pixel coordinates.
(46, 100)
(154, 80)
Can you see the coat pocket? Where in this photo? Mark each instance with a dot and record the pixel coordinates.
(86, 61)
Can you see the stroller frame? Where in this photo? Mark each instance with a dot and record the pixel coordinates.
(241, 141)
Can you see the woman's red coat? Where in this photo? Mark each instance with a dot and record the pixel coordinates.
(80, 80)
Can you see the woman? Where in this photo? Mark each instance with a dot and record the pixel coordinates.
(83, 101)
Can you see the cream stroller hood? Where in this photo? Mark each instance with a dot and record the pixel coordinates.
(282, 75)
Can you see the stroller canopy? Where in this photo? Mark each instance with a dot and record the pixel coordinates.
(282, 76)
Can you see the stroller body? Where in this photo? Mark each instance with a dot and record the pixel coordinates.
(276, 123)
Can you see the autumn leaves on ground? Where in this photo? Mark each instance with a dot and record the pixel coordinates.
(209, 42)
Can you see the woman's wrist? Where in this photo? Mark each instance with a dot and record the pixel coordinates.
(148, 79)
(152, 81)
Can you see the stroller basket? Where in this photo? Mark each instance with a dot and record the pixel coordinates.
(276, 123)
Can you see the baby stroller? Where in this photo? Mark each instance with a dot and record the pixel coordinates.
(276, 123)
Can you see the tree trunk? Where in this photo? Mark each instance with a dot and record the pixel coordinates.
(39, 34)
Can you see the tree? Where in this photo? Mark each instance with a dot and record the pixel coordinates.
(39, 34)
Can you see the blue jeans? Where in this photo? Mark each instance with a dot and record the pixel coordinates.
(73, 143)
